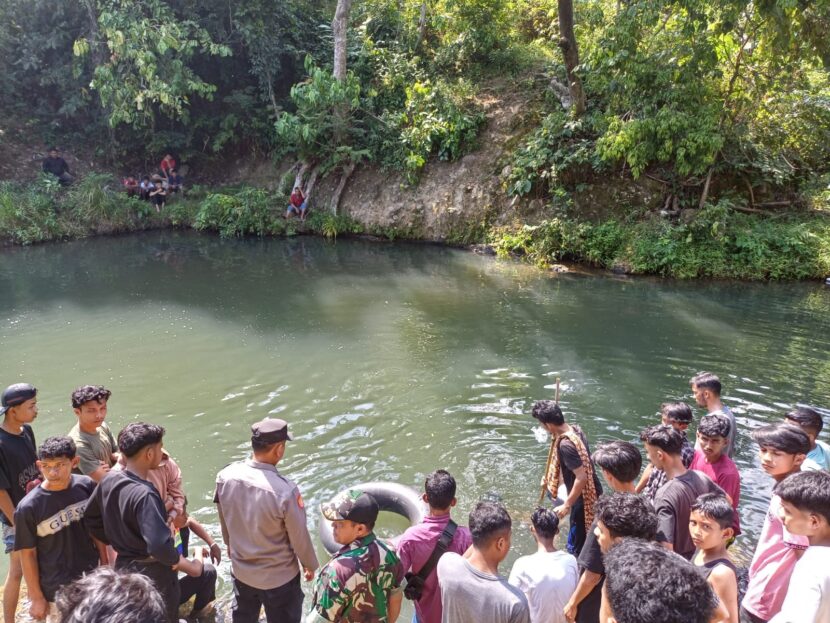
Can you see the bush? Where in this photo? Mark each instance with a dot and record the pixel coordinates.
(248, 211)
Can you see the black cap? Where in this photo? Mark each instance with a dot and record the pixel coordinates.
(270, 430)
(352, 505)
(17, 394)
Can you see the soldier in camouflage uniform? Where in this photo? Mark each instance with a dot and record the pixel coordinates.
(362, 581)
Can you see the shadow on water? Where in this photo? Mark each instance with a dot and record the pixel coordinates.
(392, 360)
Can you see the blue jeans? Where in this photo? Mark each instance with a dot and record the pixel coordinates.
(292, 209)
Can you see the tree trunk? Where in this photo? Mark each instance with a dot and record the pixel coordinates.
(422, 25)
(312, 179)
(340, 27)
(298, 180)
(570, 52)
(335, 198)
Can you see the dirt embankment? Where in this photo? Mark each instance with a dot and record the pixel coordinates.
(452, 202)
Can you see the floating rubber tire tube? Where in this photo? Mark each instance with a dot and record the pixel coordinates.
(390, 497)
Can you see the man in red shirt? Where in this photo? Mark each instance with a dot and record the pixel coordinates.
(712, 460)
(297, 204)
(167, 165)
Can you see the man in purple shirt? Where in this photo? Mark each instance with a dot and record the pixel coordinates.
(415, 546)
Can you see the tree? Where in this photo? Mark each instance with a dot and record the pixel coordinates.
(570, 52)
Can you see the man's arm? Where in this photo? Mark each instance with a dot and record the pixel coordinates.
(6, 506)
(587, 582)
(666, 525)
(644, 478)
(225, 536)
(31, 573)
(394, 610)
(298, 536)
(101, 547)
(199, 530)
(580, 480)
(98, 474)
(155, 532)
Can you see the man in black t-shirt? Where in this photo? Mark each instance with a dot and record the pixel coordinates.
(674, 499)
(50, 536)
(57, 166)
(18, 473)
(573, 464)
(126, 511)
(620, 463)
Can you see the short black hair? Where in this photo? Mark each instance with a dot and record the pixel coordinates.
(677, 412)
(714, 425)
(707, 380)
(138, 435)
(57, 448)
(665, 437)
(627, 514)
(545, 522)
(621, 459)
(548, 412)
(105, 595)
(715, 506)
(807, 418)
(88, 393)
(487, 521)
(257, 445)
(807, 491)
(440, 489)
(784, 437)
(646, 583)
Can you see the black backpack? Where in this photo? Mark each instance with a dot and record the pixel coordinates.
(415, 581)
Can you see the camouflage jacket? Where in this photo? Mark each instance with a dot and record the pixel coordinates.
(355, 585)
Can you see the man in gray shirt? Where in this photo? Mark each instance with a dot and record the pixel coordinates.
(472, 591)
(263, 521)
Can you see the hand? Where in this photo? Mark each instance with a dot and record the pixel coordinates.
(562, 510)
(39, 608)
(216, 553)
(308, 574)
(570, 611)
(171, 525)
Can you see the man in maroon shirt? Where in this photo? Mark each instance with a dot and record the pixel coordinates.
(712, 460)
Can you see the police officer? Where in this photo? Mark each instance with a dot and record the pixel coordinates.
(263, 523)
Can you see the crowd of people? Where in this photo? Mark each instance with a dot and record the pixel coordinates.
(98, 528)
(156, 188)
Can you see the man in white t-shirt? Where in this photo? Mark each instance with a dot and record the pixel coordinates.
(548, 577)
(805, 511)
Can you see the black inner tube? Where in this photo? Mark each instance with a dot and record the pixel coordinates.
(391, 497)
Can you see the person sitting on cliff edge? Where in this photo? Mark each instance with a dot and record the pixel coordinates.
(298, 203)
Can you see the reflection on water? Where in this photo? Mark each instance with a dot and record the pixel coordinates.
(392, 360)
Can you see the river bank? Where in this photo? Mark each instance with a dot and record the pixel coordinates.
(716, 242)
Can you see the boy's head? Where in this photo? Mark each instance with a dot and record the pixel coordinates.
(90, 405)
(624, 515)
(56, 460)
(676, 414)
(805, 503)
(19, 403)
(663, 444)
(783, 448)
(549, 415)
(706, 387)
(439, 490)
(713, 436)
(146, 178)
(620, 462)
(809, 420)
(141, 443)
(646, 583)
(105, 594)
(353, 514)
(491, 528)
(711, 521)
(53, 152)
(544, 524)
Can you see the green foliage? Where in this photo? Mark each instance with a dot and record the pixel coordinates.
(248, 211)
(332, 225)
(717, 243)
(437, 119)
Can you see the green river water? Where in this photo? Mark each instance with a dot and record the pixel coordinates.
(391, 360)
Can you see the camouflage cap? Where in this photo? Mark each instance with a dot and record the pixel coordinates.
(351, 505)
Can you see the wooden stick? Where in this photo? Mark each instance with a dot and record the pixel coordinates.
(550, 455)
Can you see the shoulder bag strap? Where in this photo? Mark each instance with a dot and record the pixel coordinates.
(441, 547)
